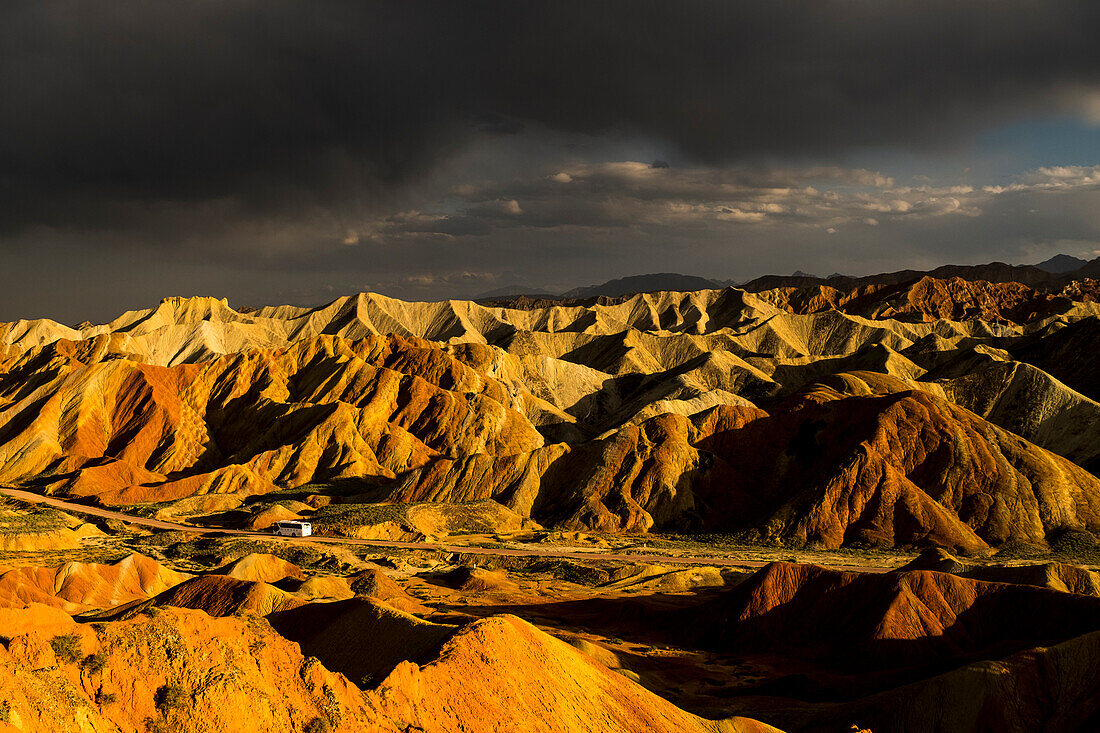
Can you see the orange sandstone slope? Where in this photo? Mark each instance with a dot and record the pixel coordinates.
(908, 462)
(76, 587)
(873, 462)
(411, 420)
(323, 408)
(261, 568)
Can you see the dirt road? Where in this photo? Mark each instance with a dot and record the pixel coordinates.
(430, 546)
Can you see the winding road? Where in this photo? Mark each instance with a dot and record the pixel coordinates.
(659, 559)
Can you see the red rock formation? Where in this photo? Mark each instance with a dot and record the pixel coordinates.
(886, 466)
(889, 620)
(929, 299)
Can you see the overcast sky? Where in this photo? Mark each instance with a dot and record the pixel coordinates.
(273, 151)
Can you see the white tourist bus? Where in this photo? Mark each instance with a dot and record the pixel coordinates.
(288, 528)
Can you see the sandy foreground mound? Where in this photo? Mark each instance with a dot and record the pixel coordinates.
(182, 670)
(135, 583)
(1053, 575)
(362, 638)
(1046, 688)
(883, 620)
(375, 584)
(800, 647)
(177, 670)
(1058, 576)
(219, 595)
(539, 684)
(908, 646)
(261, 567)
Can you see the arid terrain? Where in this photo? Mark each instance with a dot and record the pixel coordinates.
(799, 505)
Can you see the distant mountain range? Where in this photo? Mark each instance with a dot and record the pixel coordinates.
(618, 288)
(511, 291)
(1053, 273)
(1059, 264)
(661, 281)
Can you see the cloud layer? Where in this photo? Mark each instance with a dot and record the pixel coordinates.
(279, 138)
(280, 104)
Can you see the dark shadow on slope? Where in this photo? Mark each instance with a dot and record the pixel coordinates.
(360, 637)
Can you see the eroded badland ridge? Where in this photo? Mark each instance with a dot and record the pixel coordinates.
(843, 423)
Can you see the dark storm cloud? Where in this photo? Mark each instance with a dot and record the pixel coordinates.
(110, 108)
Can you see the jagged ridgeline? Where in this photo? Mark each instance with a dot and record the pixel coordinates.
(951, 412)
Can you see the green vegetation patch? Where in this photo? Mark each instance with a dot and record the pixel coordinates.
(1078, 546)
(215, 551)
(749, 546)
(15, 520)
(580, 572)
(710, 540)
(571, 571)
(168, 538)
(343, 519)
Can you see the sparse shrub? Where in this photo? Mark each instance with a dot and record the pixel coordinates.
(170, 696)
(318, 725)
(5, 711)
(157, 725)
(67, 648)
(105, 698)
(114, 526)
(308, 663)
(94, 663)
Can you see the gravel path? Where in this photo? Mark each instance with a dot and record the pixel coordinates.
(431, 546)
